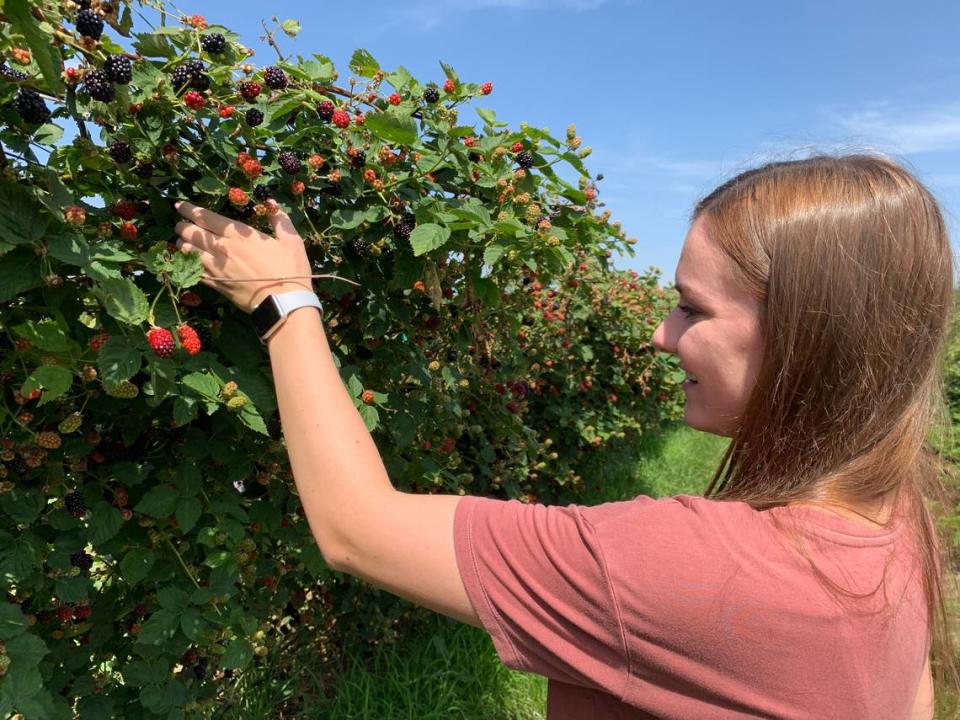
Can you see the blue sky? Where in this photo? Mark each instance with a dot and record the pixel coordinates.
(673, 97)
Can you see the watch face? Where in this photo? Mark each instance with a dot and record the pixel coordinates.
(265, 315)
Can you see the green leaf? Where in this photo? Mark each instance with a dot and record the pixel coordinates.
(290, 27)
(45, 53)
(192, 624)
(204, 384)
(123, 300)
(427, 237)
(250, 416)
(117, 361)
(493, 253)
(189, 480)
(106, 523)
(348, 218)
(210, 185)
(72, 589)
(363, 64)
(54, 380)
(400, 78)
(48, 134)
(188, 512)
(392, 127)
(23, 504)
(12, 621)
(449, 72)
(487, 292)
(44, 335)
(238, 654)
(163, 699)
(26, 648)
(19, 271)
(69, 248)
(159, 502)
(173, 598)
(371, 418)
(187, 270)
(22, 219)
(321, 72)
(136, 564)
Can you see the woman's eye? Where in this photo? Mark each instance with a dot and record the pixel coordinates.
(687, 310)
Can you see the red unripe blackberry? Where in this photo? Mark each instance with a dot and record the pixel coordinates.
(81, 560)
(31, 107)
(341, 118)
(194, 100)
(248, 89)
(214, 43)
(431, 95)
(227, 111)
(253, 117)
(118, 69)
(64, 613)
(82, 612)
(98, 86)
(124, 209)
(486, 88)
(289, 162)
(237, 197)
(161, 342)
(325, 110)
(275, 78)
(89, 24)
(120, 152)
(75, 504)
(394, 99)
(524, 159)
(189, 339)
(449, 86)
(128, 231)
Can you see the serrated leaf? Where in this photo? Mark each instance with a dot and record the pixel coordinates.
(371, 418)
(12, 621)
(492, 254)
(48, 134)
(363, 64)
(427, 237)
(321, 72)
(159, 502)
(172, 598)
(449, 72)
(123, 300)
(237, 655)
(210, 185)
(44, 335)
(348, 218)
(54, 380)
(204, 384)
(290, 27)
(69, 248)
(44, 52)
(187, 513)
(160, 627)
(192, 623)
(19, 271)
(250, 416)
(106, 523)
(22, 219)
(117, 361)
(187, 270)
(392, 127)
(136, 564)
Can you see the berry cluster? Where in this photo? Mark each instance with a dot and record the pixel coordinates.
(214, 43)
(119, 69)
(341, 118)
(120, 152)
(524, 159)
(253, 117)
(248, 89)
(194, 100)
(402, 229)
(75, 504)
(275, 78)
(89, 24)
(31, 107)
(98, 86)
(289, 162)
(11, 74)
(190, 73)
(161, 342)
(431, 95)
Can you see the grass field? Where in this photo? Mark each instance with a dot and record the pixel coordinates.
(451, 670)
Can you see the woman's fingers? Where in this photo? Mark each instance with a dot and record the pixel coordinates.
(217, 224)
(201, 239)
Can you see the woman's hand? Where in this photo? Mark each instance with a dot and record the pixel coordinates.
(234, 251)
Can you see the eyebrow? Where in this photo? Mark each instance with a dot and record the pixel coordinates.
(684, 290)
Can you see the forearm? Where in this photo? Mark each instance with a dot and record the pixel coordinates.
(336, 465)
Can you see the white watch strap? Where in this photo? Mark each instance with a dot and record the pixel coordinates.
(290, 301)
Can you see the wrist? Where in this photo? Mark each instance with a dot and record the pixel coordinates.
(276, 289)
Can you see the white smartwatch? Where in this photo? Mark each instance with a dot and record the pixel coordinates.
(273, 310)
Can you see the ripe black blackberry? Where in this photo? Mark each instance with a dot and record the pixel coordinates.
(119, 69)
(180, 77)
(143, 170)
(205, 335)
(431, 95)
(359, 159)
(261, 193)
(98, 86)
(358, 246)
(325, 110)
(84, 4)
(81, 560)
(188, 74)
(75, 504)
(289, 162)
(89, 24)
(275, 78)
(214, 43)
(12, 74)
(120, 152)
(452, 355)
(18, 467)
(253, 117)
(524, 159)
(402, 229)
(200, 81)
(200, 669)
(31, 107)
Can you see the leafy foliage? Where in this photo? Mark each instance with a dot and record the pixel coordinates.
(152, 544)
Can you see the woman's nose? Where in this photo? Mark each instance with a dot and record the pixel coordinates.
(663, 339)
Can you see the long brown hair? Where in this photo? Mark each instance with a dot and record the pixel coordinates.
(849, 259)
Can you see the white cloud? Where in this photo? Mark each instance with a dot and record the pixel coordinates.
(929, 130)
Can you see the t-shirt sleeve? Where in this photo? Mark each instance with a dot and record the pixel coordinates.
(537, 578)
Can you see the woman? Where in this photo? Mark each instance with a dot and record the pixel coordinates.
(815, 298)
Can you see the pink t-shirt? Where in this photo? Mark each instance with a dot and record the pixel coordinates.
(687, 608)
